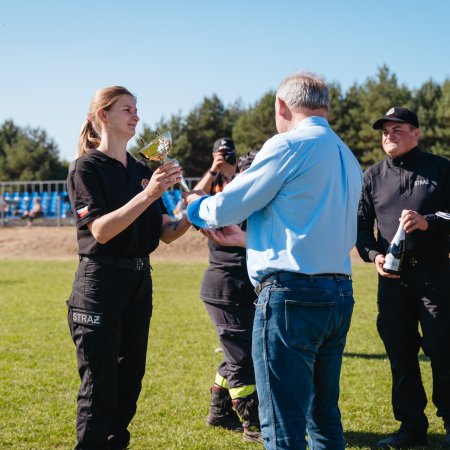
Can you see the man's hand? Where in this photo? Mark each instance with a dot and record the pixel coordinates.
(412, 220)
(191, 196)
(379, 261)
(230, 236)
(218, 162)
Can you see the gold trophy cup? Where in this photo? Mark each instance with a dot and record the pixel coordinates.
(158, 150)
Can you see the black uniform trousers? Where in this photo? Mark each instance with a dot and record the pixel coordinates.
(109, 318)
(420, 296)
(234, 323)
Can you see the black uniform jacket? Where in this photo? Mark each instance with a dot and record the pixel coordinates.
(416, 180)
(97, 185)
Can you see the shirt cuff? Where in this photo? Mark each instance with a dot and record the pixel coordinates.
(83, 221)
(373, 254)
(193, 214)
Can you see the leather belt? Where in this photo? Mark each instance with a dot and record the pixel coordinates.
(280, 277)
(116, 261)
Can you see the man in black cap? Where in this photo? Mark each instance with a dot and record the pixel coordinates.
(229, 299)
(410, 185)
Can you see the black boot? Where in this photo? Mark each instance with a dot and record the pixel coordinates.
(221, 413)
(247, 410)
(119, 440)
(402, 440)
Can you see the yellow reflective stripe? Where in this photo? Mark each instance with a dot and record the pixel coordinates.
(221, 381)
(242, 391)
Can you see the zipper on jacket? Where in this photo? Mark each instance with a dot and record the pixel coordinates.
(402, 181)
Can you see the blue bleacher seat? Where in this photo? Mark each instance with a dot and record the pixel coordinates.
(44, 202)
(52, 210)
(22, 204)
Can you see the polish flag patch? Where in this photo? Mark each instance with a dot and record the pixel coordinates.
(82, 212)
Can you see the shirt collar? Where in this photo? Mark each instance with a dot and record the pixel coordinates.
(311, 121)
(97, 154)
(408, 156)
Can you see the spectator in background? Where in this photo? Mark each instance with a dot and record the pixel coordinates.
(34, 212)
(229, 299)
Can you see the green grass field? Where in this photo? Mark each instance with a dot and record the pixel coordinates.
(39, 381)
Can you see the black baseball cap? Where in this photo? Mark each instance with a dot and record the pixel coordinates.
(224, 144)
(397, 114)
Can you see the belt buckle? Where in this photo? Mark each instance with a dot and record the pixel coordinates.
(140, 264)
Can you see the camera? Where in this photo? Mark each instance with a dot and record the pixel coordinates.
(229, 156)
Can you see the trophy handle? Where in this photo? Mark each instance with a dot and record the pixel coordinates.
(184, 185)
(182, 182)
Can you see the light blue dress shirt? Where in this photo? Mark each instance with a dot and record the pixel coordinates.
(300, 196)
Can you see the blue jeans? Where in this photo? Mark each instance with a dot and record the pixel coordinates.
(299, 335)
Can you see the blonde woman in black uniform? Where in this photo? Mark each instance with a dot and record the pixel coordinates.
(120, 220)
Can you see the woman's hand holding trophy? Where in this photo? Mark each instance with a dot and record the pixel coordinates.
(158, 150)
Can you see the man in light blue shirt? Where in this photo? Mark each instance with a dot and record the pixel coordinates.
(300, 197)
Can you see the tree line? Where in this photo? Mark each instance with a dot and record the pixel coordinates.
(28, 154)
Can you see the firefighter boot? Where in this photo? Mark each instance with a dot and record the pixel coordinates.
(247, 410)
(221, 413)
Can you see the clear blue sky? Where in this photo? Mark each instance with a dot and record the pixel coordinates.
(55, 53)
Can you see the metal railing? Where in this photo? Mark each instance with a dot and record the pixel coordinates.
(32, 186)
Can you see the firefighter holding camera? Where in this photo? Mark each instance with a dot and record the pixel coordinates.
(228, 296)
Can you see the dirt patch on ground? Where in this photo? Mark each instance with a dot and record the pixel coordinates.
(52, 242)
(41, 242)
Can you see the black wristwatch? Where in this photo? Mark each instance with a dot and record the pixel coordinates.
(212, 173)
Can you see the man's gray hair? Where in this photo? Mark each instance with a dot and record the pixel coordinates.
(305, 90)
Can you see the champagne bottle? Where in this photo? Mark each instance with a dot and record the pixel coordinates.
(395, 252)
